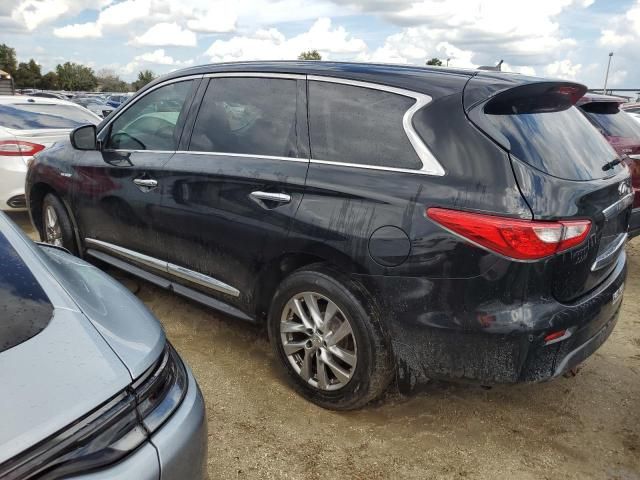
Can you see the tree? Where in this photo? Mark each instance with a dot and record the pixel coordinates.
(435, 61)
(144, 77)
(49, 81)
(8, 61)
(73, 76)
(28, 75)
(108, 81)
(310, 55)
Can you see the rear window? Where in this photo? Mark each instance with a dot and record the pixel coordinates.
(608, 118)
(561, 143)
(34, 116)
(25, 309)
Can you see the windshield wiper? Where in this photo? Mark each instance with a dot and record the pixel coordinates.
(611, 164)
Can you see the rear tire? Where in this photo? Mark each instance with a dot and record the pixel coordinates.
(332, 350)
(56, 224)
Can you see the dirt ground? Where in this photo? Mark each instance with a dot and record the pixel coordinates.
(583, 427)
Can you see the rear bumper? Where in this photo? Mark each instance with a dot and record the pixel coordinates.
(634, 223)
(13, 173)
(493, 342)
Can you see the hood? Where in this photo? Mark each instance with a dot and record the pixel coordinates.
(120, 317)
(55, 366)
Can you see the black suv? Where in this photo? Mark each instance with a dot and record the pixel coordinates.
(385, 221)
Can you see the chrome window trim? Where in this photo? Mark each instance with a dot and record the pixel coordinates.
(246, 155)
(286, 76)
(430, 165)
(124, 150)
(166, 267)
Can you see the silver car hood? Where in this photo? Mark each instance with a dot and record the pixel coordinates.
(99, 338)
(53, 379)
(129, 328)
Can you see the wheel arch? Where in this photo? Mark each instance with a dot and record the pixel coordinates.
(277, 270)
(36, 195)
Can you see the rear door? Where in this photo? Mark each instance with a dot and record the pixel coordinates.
(116, 192)
(566, 170)
(231, 192)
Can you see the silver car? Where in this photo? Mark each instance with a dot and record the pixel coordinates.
(91, 389)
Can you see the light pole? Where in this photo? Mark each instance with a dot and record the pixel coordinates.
(448, 61)
(606, 77)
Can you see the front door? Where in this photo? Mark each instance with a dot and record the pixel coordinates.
(233, 190)
(117, 190)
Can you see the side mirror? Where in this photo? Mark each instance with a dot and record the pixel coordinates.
(84, 138)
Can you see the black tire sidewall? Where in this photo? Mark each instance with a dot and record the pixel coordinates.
(358, 391)
(68, 240)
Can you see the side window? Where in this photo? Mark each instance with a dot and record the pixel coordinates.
(253, 116)
(150, 123)
(359, 125)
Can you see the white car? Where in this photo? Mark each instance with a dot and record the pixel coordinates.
(27, 126)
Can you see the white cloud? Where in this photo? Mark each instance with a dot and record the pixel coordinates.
(79, 30)
(167, 34)
(124, 12)
(271, 44)
(116, 15)
(30, 14)
(612, 39)
(564, 69)
(156, 57)
(218, 19)
(472, 32)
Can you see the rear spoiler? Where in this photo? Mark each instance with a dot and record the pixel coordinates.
(515, 96)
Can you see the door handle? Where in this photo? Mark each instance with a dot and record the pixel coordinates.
(271, 196)
(146, 182)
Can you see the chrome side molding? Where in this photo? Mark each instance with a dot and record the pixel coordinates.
(165, 267)
(201, 279)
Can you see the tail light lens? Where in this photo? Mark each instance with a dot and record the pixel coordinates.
(19, 148)
(513, 238)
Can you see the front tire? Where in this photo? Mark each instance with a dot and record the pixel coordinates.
(56, 224)
(332, 350)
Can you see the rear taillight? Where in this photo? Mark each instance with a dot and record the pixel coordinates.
(513, 238)
(19, 148)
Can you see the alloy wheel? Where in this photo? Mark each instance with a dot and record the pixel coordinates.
(318, 340)
(52, 227)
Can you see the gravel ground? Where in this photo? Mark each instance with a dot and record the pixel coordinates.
(587, 426)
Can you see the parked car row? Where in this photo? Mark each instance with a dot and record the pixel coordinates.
(385, 223)
(623, 134)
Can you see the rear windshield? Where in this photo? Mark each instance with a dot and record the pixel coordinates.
(34, 116)
(561, 143)
(25, 309)
(613, 122)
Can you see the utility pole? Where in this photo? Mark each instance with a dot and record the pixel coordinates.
(606, 77)
(448, 61)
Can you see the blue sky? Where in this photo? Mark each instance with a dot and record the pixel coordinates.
(554, 38)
